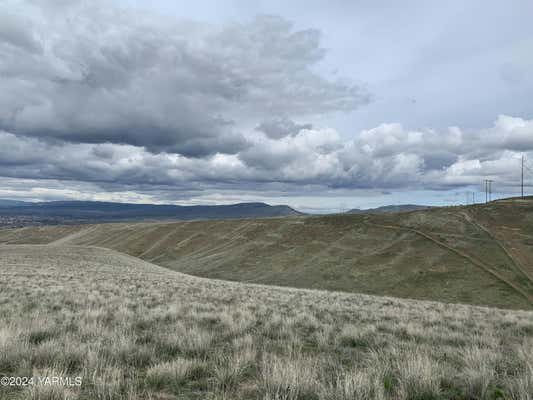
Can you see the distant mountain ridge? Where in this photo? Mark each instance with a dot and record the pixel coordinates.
(109, 211)
(389, 209)
(13, 203)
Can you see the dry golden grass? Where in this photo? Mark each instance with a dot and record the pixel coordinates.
(133, 330)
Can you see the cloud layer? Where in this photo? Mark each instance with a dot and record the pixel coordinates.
(386, 157)
(102, 98)
(91, 73)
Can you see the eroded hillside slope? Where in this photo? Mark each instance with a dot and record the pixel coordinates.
(478, 255)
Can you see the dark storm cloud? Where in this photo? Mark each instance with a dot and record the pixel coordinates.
(92, 73)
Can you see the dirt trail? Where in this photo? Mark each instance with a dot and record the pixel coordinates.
(232, 237)
(161, 240)
(501, 244)
(67, 239)
(471, 259)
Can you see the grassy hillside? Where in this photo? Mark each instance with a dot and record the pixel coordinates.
(133, 330)
(479, 255)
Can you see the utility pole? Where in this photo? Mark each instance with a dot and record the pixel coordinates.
(488, 190)
(473, 197)
(522, 179)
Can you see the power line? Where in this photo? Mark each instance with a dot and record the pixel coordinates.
(470, 197)
(525, 168)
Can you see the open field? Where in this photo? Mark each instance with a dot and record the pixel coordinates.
(481, 255)
(133, 330)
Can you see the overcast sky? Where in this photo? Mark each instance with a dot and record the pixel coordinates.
(319, 105)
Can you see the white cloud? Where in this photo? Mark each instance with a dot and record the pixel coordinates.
(386, 157)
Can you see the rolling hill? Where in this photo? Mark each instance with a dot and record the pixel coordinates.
(480, 255)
